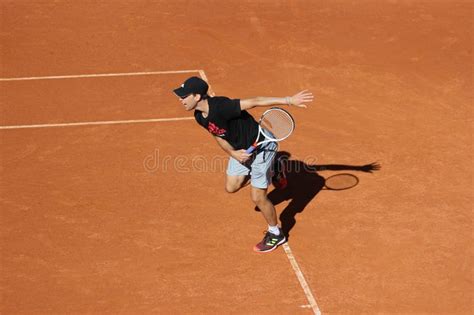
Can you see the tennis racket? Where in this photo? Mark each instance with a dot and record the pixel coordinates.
(276, 121)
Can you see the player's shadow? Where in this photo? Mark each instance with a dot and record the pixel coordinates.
(304, 183)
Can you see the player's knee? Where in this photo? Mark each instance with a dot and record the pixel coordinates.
(231, 188)
(258, 197)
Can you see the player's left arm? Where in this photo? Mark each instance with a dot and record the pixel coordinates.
(299, 100)
(239, 155)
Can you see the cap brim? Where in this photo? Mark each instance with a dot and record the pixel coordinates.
(181, 92)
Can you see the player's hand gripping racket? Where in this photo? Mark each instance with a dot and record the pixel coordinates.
(278, 123)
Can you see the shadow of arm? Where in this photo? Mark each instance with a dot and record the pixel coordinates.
(368, 168)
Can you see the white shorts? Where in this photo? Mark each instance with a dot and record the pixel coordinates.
(259, 167)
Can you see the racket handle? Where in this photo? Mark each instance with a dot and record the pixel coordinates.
(251, 149)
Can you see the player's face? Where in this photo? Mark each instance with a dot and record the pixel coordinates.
(190, 101)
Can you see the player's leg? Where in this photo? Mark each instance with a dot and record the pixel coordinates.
(238, 176)
(233, 183)
(274, 235)
(260, 180)
(260, 198)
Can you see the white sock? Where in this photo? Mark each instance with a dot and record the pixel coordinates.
(274, 229)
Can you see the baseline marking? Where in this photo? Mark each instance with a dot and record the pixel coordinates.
(90, 123)
(98, 75)
(299, 274)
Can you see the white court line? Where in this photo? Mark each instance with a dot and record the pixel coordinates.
(90, 123)
(299, 274)
(98, 75)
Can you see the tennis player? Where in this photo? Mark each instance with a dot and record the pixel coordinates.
(235, 130)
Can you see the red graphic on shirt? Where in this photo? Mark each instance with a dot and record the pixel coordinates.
(215, 130)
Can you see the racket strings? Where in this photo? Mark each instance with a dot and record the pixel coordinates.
(278, 122)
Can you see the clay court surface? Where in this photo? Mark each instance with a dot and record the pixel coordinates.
(127, 213)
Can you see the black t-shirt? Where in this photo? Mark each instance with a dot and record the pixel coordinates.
(226, 120)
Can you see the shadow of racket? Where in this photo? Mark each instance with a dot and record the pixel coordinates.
(341, 181)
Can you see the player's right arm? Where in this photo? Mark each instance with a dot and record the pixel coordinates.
(239, 155)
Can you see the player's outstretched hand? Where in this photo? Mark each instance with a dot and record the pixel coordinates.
(301, 99)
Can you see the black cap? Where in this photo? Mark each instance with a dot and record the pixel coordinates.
(193, 85)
